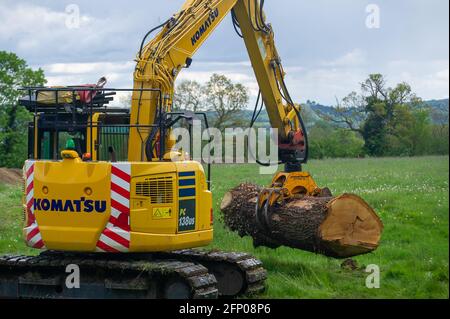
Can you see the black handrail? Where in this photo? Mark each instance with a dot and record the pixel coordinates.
(163, 123)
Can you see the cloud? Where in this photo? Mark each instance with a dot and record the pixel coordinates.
(322, 83)
(41, 33)
(119, 74)
(83, 68)
(322, 60)
(354, 58)
(26, 19)
(240, 71)
(429, 79)
(31, 26)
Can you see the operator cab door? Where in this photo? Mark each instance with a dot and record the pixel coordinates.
(47, 139)
(51, 143)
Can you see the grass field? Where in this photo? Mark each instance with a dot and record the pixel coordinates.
(410, 194)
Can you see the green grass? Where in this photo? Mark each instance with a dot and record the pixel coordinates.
(11, 221)
(409, 194)
(411, 197)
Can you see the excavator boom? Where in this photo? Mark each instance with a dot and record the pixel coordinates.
(160, 61)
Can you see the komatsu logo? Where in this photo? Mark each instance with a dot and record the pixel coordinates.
(78, 206)
(205, 26)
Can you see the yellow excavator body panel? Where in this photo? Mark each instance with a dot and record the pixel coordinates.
(116, 207)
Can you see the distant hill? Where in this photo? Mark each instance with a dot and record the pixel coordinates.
(323, 109)
(439, 114)
(439, 110)
(441, 105)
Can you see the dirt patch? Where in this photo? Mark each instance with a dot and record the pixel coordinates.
(11, 176)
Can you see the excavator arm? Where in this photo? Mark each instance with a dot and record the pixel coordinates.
(161, 60)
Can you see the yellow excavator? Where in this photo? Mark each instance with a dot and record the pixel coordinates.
(106, 191)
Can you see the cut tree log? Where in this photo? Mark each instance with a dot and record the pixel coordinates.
(338, 227)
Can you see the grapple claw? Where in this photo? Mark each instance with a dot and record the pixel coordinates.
(284, 186)
(267, 198)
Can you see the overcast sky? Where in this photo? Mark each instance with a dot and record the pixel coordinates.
(326, 46)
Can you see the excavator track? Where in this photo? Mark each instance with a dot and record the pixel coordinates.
(184, 274)
(104, 277)
(237, 274)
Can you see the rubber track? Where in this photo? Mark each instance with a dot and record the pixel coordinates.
(202, 284)
(252, 268)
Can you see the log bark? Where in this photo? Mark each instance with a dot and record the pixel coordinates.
(338, 227)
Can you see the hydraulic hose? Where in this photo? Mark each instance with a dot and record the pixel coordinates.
(148, 33)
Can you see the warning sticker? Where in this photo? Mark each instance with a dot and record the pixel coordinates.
(162, 213)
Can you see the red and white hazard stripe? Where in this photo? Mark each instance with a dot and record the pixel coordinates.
(116, 236)
(33, 235)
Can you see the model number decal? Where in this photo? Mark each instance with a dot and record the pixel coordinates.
(186, 215)
(186, 221)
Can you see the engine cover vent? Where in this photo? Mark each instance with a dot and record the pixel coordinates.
(159, 190)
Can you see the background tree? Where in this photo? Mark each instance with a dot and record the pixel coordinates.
(327, 141)
(220, 97)
(439, 143)
(392, 121)
(14, 73)
(226, 99)
(189, 96)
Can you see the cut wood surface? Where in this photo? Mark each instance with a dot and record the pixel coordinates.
(339, 227)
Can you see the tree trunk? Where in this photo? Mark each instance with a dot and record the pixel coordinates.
(339, 227)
